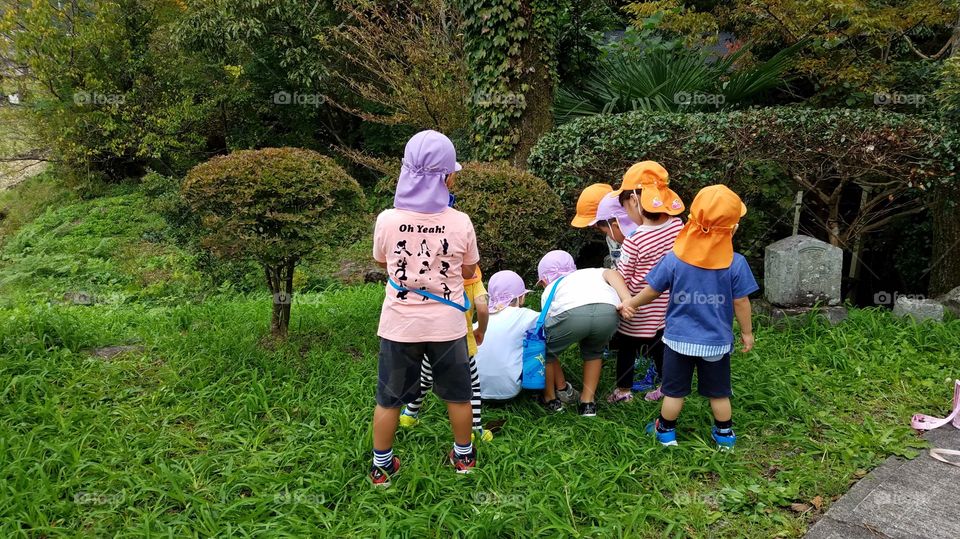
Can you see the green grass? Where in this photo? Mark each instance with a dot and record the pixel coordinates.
(206, 431)
(209, 428)
(112, 247)
(22, 204)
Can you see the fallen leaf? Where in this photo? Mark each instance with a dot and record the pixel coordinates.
(799, 507)
(817, 502)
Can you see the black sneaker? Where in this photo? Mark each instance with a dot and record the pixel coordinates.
(552, 406)
(587, 409)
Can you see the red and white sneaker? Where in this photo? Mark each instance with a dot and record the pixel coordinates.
(464, 464)
(380, 477)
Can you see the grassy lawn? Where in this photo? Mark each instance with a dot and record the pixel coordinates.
(204, 428)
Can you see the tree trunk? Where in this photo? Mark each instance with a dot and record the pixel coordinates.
(944, 266)
(280, 281)
(538, 75)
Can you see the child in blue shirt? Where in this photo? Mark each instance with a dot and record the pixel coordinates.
(708, 285)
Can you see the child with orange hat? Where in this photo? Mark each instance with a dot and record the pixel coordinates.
(596, 208)
(475, 292)
(709, 284)
(646, 199)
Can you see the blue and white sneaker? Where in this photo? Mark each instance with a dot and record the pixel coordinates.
(649, 381)
(724, 442)
(665, 438)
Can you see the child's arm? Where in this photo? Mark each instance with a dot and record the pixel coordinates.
(615, 280)
(483, 317)
(741, 309)
(629, 307)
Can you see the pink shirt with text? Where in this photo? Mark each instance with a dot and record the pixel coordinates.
(424, 251)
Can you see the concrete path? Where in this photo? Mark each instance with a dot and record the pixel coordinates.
(917, 498)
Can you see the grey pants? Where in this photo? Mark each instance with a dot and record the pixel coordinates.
(591, 326)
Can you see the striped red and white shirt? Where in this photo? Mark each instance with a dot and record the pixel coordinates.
(639, 254)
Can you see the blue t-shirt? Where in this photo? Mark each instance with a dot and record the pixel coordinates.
(701, 300)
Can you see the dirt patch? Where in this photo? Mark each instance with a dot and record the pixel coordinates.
(107, 353)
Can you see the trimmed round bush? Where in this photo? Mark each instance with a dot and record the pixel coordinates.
(517, 216)
(274, 206)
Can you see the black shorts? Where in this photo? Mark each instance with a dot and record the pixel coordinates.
(713, 377)
(398, 379)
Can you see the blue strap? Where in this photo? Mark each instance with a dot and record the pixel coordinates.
(546, 306)
(462, 308)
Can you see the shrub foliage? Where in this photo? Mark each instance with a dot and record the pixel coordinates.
(273, 206)
(887, 164)
(517, 216)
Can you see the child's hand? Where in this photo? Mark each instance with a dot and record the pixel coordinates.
(747, 339)
(626, 311)
(478, 335)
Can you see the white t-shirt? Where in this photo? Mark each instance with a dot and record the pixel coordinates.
(582, 287)
(500, 358)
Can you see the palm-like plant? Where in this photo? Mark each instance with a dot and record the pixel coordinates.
(679, 80)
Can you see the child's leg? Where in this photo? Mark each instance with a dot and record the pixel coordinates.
(677, 377)
(714, 383)
(551, 374)
(597, 325)
(475, 400)
(626, 359)
(656, 352)
(460, 420)
(591, 378)
(385, 422)
(450, 367)
(670, 409)
(398, 369)
(559, 380)
(426, 382)
(722, 411)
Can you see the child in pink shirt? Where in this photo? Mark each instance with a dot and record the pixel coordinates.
(427, 248)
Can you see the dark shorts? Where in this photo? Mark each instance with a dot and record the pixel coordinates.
(398, 379)
(590, 326)
(713, 377)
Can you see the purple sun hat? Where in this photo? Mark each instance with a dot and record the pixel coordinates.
(427, 159)
(610, 208)
(554, 265)
(505, 286)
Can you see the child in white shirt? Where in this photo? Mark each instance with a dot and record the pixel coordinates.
(499, 358)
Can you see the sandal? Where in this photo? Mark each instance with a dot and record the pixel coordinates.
(620, 395)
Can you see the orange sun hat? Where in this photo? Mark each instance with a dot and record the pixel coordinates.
(588, 202)
(652, 180)
(706, 241)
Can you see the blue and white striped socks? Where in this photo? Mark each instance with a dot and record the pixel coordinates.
(383, 459)
(463, 450)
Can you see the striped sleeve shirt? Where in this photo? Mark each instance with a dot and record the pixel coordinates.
(639, 254)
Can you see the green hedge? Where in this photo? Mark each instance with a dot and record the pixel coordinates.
(757, 153)
(518, 218)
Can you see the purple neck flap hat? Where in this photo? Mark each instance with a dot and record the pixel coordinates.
(610, 208)
(427, 159)
(505, 286)
(554, 265)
